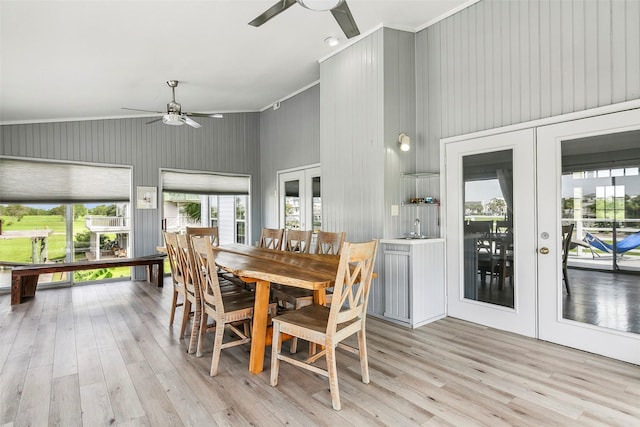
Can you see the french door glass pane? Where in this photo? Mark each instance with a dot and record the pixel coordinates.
(292, 204)
(317, 204)
(488, 231)
(601, 206)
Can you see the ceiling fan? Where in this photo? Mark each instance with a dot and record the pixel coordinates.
(338, 8)
(174, 115)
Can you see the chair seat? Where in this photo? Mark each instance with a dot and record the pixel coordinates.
(312, 317)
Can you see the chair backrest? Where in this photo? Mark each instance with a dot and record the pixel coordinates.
(328, 243)
(186, 264)
(352, 285)
(567, 232)
(210, 232)
(478, 227)
(208, 274)
(271, 238)
(504, 226)
(171, 243)
(297, 241)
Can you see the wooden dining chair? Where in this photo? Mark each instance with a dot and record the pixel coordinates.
(192, 306)
(225, 310)
(329, 243)
(290, 296)
(297, 241)
(329, 326)
(210, 234)
(171, 243)
(271, 238)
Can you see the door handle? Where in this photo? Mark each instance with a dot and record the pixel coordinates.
(544, 250)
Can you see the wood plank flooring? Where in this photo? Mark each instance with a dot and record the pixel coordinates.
(103, 354)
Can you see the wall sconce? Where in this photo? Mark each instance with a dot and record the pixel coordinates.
(404, 141)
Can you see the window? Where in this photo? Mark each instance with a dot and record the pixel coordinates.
(206, 199)
(63, 211)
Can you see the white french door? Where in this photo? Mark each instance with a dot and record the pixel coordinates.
(490, 223)
(300, 203)
(585, 167)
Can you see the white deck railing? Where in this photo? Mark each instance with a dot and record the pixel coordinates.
(115, 223)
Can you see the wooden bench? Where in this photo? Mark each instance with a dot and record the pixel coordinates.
(24, 277)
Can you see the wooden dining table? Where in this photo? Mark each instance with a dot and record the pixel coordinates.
(266, 266)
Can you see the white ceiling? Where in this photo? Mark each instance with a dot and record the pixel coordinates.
(66, 60)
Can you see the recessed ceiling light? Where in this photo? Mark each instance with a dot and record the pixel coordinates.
(331, 41)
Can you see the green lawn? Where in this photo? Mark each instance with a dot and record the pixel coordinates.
(19, 250)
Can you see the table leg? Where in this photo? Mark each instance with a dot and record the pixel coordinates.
(259, 333)
(320, 296)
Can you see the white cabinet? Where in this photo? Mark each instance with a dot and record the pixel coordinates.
(414, 287)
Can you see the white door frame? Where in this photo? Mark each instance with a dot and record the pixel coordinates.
(521, 318)
(608, 342)
(587, 337)
(305, 174)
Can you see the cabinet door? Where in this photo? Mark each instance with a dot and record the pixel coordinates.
(397, 272)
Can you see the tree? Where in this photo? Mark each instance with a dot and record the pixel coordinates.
(192, 210)
(497, 206)
(58, 210)
(16, 211)
(79, 211)
(104, 210)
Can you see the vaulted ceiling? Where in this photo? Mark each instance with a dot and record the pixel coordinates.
(66, 60)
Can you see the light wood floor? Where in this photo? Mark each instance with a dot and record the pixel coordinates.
(104, 355)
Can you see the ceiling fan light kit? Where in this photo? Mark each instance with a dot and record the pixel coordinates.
(174, 115)
(172, 119)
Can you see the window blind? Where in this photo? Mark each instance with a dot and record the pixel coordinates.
(33, 181)
(205, 183)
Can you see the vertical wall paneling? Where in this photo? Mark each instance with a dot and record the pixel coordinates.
(367, 98)
(352, 146)
(227, 145)
(632, 53)
(289, 138)
(536, 59)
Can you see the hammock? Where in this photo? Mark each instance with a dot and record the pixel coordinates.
(624, 245)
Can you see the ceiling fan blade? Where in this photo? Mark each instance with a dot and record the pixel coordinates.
(146, 111)
(190, 122)
(343, 15)
(214, 115)
(274, 10)
(153, 121)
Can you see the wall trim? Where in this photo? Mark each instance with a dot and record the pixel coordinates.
(447, 14)
(291, 95)
(597, 111)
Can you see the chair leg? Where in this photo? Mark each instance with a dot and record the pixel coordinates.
(195, 328)
(332, 369)
(202, 332)
(174, 304)
(565, 275)
(276, 348)
(217, 349)
(364, 361)
(294, 345)
(186, 311)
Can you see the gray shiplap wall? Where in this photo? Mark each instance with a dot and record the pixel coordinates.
(367, 97)
(289, 138)
(229, 145)
(352, 139)
(502, 62)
